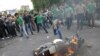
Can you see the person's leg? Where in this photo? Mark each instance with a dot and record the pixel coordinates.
(78, 22)
(43, 28)
(92, 20)
(59, 34)
(81, 21)
(89, 19)
(21, 31)
(4, 32)
(1, 33)
(54, 31)
(9, 29)
(23, 26)
(33, 25)
(45, 23)
(14, 31)
(17, 27)
(38, 28)
(26, 28)
(68, 23)
(30, 27)
(48, 23)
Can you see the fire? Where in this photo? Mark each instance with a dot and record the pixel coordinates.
(74, 40)
(70, 51)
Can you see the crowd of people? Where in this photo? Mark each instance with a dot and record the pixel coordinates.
(22, 24)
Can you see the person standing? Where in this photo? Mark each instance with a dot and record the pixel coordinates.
(56, 28)
(69, 16)
(21, 25)
(11, 26)
(90, 9)
(45, 19)
(39, 22)
(28, 25)
(80, 15)
(2, 28)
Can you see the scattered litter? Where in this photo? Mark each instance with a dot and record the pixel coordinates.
(3, 38)
(48, 37)
(89, 45)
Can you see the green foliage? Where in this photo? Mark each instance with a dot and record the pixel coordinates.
(41, 4)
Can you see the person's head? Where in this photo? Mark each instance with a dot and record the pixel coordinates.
(12, 16)
(16, 14)
(9, 15)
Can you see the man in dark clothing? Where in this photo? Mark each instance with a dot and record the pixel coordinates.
(27, 19)
(10, 26)
(2, 28)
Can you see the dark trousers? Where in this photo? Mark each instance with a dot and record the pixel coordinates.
(2, 32)
(17, 27)
(11, 30)
(69, 22)
(41, 25)
(90, 19)
(80, 21)
(46, 23)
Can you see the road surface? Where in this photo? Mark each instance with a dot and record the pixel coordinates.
(21, 46)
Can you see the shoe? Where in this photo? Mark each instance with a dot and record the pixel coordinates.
(27, 37)
(32, 33)
(47, 32)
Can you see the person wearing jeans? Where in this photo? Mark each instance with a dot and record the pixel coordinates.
(28, 25)
(23, 31)
(56, 28)
(21, 25)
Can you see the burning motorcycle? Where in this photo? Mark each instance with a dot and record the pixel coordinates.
(69, 47)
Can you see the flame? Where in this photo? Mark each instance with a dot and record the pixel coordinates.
(70, 51)
(74, 40)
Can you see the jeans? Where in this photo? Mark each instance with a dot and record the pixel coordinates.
(22, 30)
(58, 32)
(28, 26)
(41, 25)
(46, 23)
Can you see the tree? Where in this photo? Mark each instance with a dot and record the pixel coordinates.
(42, 4)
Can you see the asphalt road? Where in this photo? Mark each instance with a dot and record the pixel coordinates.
(21, 46)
